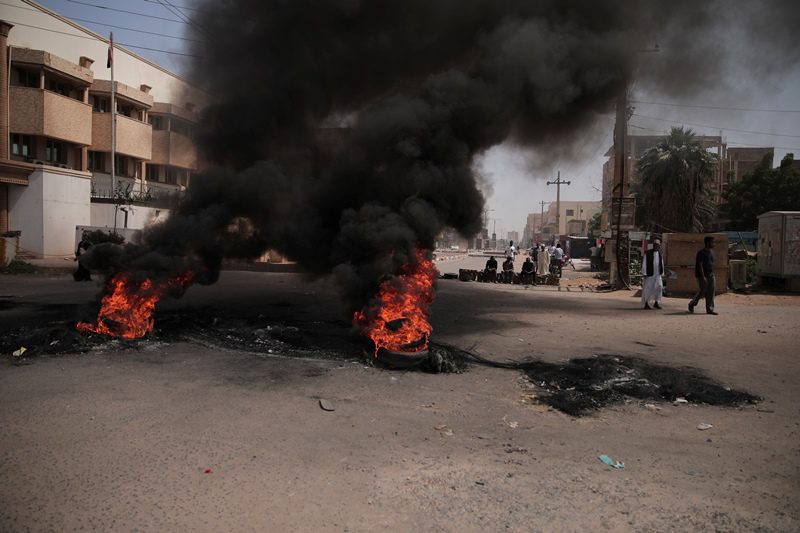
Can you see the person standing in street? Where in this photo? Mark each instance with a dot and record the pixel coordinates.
(83, 273)
(704, 272)
(511, 251)
(652, 272)
(557, 256)
(543, 264)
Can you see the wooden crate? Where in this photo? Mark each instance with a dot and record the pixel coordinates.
(680, 250)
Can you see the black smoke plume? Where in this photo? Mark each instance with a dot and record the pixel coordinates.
(342, 133)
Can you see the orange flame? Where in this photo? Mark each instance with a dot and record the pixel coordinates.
(398, 320)
(127, 311)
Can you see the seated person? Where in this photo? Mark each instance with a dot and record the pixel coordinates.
(528, 274)
(508, 270)
(490, 272)
(527, 266)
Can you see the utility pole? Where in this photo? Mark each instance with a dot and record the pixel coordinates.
(558, 183)
(620, 140)
(486, 218)
(113, 120)
(494, 234)
(541, 219)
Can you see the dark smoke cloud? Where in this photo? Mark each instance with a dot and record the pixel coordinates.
(426, 86)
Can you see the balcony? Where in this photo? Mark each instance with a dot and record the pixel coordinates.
(134, 138)
(173, 149)
(44, 113)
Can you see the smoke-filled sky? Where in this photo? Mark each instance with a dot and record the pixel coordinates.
(738, 56)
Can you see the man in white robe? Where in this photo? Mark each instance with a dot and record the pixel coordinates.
(543, 262)
(652, 272)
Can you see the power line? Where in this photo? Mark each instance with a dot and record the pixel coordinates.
(717, 127)
(124, 11)
(137, 31)
(107, 25)
(102, 41)
(175, 11)
(174, 5)
(698, 106)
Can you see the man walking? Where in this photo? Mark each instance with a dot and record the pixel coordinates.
(704, 272)
(652, 271)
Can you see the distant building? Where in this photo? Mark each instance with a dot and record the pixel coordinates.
(55, 161)
(574, 220)
(741, 161)
(513, 236)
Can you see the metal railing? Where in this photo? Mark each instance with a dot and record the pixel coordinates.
(125, 193)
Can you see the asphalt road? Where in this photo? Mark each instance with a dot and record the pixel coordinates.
(186, 436)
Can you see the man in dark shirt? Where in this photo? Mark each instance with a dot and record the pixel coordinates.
(704, 272)
(490, 272)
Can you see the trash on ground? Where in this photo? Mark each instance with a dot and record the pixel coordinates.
(444, 430)
(18, 353)
(679, 401)
(702, 426)
(327, 405)
(610, 462)
(208, 471)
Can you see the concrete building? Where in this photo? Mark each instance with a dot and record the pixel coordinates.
(734, 163)
(574, 220)
(55, 161)
(533, 226)
(741, 161)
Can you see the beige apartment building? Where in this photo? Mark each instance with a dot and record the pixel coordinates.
(55, 161)
(573, 220)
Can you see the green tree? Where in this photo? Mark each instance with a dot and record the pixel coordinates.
(764, 189)
(594, 225)
(673, 193)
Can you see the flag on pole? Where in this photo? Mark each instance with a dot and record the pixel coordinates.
(110, 52)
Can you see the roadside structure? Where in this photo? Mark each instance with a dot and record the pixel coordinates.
(55, 158)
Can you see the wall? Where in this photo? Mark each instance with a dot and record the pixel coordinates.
(25, 214)
(138, 216)
(66, 205)
(48, 209)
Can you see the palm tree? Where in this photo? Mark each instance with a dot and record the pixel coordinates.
(673, 191)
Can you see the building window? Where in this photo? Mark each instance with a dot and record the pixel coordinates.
(171, 176)
(54, 152)
(570, 212)
(99, 103)
(181, 127)
(152, 172)
(121, 165)
(59, 87)
(97, 161)
(25, 78)
(21, 145)
(157, 122)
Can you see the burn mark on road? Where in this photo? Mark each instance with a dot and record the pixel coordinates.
(583, 385)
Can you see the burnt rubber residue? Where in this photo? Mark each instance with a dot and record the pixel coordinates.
(580, 386)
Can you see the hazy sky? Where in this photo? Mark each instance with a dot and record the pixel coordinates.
(516, 178)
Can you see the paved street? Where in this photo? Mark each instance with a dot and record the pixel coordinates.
(169, 436)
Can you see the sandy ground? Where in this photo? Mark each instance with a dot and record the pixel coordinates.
(121, 440)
